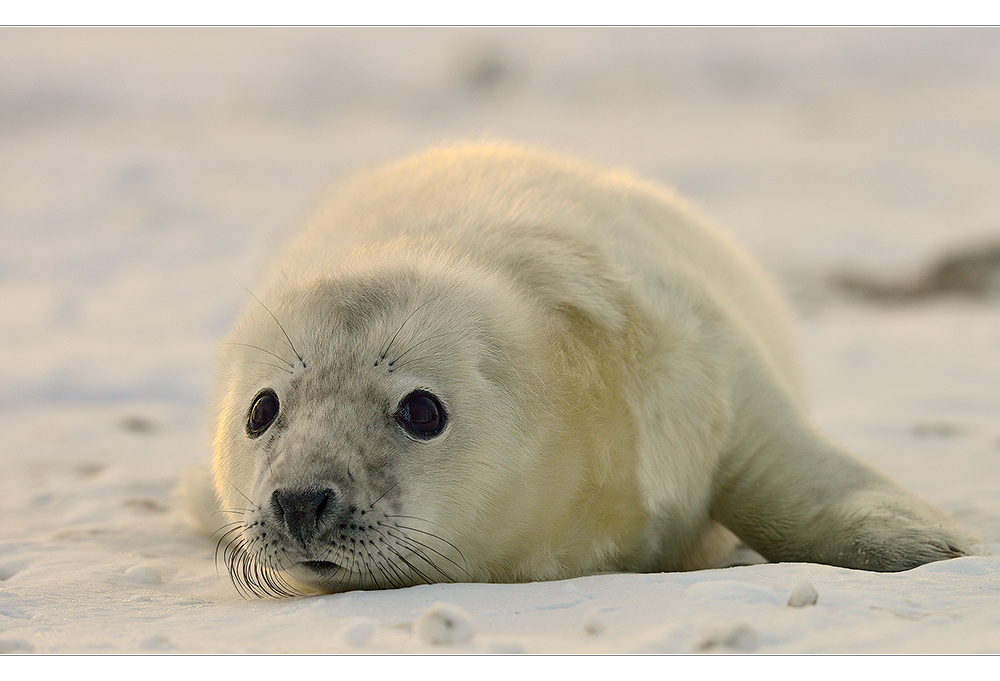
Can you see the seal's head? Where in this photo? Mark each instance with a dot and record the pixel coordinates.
(407, 422)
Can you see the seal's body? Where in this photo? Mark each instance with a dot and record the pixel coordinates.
(485, 363)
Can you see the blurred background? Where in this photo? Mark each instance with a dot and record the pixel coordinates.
(146, 173)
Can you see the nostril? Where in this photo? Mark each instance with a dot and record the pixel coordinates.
(302, 510)
(321, 506)
(276, 507)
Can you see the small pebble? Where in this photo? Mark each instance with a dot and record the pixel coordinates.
(593, 624)
(15, 647)
(735, 639)
(358, 633)
(803, 594)
(444, 623)
(505, 648)
(144, 574)
(156, 642)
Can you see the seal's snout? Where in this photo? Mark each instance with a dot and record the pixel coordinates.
(303, 511)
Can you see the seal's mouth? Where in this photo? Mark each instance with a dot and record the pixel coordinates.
(320, 566)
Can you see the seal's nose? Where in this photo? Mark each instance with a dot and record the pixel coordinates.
(302, 511)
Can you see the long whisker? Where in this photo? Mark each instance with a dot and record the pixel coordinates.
(394, 486)
(385, 350)
(301, 361)
(227, 527)
(270, 364)
(429, 534)
(400, 577)
(250, 574)
(266, 352)
(406, 542)
(417, 542)
(239, 491)
(394, 363)
(413, 568)
(392, 573)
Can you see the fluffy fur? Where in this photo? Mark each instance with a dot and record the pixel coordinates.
(620, 382)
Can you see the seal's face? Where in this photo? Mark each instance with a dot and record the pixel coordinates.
(374, 445)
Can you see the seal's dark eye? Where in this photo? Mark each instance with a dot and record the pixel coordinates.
(421, 415)
(263, 411)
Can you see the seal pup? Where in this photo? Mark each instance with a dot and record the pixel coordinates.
(487, 363)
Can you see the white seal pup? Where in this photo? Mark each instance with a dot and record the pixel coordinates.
(486, 363)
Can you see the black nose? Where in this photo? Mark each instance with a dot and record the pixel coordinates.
(303, 511)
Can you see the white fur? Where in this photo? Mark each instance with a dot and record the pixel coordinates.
(621, 381)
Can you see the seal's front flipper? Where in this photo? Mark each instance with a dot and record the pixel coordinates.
(195, 495)
(792, 496)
